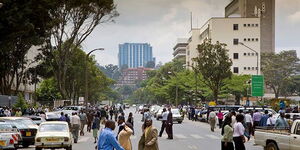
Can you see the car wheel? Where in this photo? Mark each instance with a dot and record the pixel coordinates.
(25, 145)
(69, 148)
(37, 148)
(180, 122)
(272, 146)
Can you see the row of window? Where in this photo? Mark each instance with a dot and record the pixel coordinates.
(236, 26)
(236, 41)
(236, 55)
(236, 69)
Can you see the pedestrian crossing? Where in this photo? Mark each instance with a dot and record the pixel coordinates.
(191, 136)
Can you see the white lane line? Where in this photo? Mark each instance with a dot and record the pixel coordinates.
(196, 136)
(192, 147)
(84, 139)
(180, 136)
(212, 136)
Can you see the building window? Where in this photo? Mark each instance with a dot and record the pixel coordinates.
(256, 25)
(252, 39)
(245, 39)
(249, 68)
(249, 39)
(245, 68)
(235, 41)
(252, 68)
(256, 39)
(252, 25)
(245, 25)
(253, 54)
(249, 54)
(235, 69)
(235, 55)
(245, 54)
(249, 25)
(235, 26)
(256, 68)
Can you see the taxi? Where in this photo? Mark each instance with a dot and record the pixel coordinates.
(9, 136)
(53, 135)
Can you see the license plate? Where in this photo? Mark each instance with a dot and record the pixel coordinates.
(28, 133)
(52, 139)
(2, 143)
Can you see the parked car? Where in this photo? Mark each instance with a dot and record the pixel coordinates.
(26, 127)
(53, 134)
(76, 108)
(279, 138)
(9, 136)
(37, 119)
(176, 116)
(52, 116)
(159, 114)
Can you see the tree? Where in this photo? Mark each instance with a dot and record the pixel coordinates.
(23, 24)
(21, 103)
(74, 21)
(214, 65)
(111, 71)
(48, 92)
(278, 69)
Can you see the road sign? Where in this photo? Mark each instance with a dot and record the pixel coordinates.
(257, 86)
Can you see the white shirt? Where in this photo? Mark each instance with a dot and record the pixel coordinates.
(233, 120)
(165, 115)
(75, 120)
(238, 129)
(271, 121)
(248, 118)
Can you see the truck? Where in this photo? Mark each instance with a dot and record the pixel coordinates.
(279, 138)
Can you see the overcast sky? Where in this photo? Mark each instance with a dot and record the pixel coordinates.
(161, 22)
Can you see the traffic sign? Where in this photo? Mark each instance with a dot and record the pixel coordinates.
(257, 86)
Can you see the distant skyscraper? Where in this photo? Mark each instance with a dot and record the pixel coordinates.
(135, 54)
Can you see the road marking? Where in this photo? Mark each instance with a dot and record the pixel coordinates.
(212, 136)
(84, 139)
(180, 136)
(196, 136)
(192, 147)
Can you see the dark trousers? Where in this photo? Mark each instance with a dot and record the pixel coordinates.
(249, 129)
(163, 126)
(169, 130)
(228, 147)
(238, 143)
(255, 124)
(220, 123)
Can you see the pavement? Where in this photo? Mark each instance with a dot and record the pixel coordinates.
(189, 135)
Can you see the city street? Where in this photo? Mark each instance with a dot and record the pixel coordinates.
(187, 136)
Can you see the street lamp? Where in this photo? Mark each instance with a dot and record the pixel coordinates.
(256, 53)
(86, 95)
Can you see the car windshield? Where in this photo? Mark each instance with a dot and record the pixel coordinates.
(175, 111)
(5, 126)
(53, 128)
(17, 124)
(26, 121)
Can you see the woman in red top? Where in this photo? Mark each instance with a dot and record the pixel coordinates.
(220, 118)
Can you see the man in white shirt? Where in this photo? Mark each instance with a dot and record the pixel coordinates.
(164, 120)
(271, 120)
(249, 123)
(75, 124)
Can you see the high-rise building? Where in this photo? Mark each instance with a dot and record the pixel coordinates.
(135, 55)
(235, 32)
(262, 9)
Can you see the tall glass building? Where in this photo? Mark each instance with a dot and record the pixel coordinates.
(135, 55)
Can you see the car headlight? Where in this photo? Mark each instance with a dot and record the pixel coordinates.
(66, 139)
(38, 139)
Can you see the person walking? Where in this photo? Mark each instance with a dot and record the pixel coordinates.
(164, 121)
(124, 136)
(62, 117)
(169, 124)
(227, 135)
(83, 120)
(96, 127)
(18, 113)
(68, 120)
(212, 120)
(111, 113)
(220, 116)
(148, 140)
(271, 120)
(249, 123)
(264, 118)
(131, 121)
(121, 124)
(75, 125)
(256, 119)
(238, 133)
(90, 118)
(107, 139)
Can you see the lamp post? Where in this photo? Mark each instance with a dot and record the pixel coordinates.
(86, 95)
(256, 53)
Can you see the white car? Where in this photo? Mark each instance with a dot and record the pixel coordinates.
(9, 136)
(53, 134)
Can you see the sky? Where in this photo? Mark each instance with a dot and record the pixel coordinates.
(162, 22)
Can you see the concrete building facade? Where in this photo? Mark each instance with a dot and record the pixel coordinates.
(233, 32)
(262, 9)
(135, 55)
(131, 75)
(179, 50)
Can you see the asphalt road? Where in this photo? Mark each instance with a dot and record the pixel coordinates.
(187, 136)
